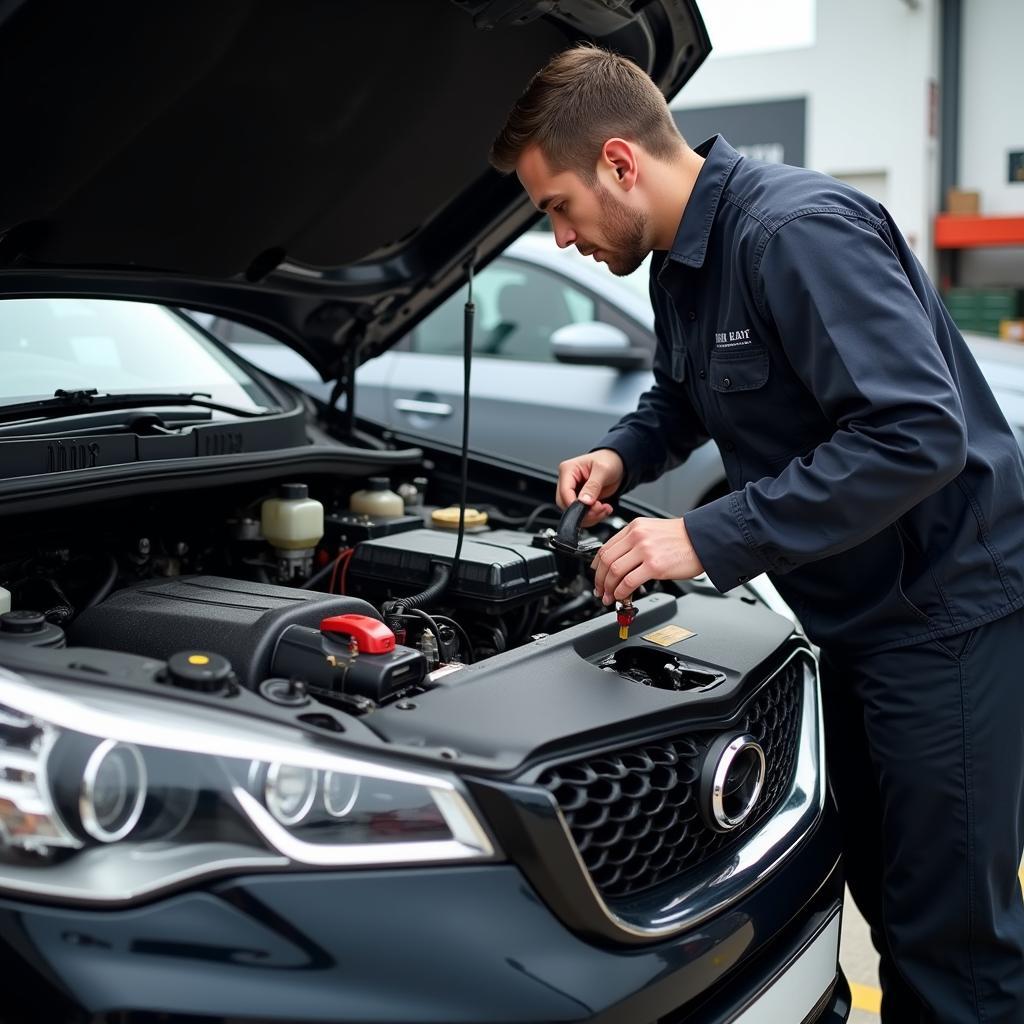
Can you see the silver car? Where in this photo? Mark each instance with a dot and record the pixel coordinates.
(562, 349)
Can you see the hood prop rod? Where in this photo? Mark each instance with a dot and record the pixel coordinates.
(345, 370)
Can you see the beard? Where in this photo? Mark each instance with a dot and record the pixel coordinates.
(625, 231)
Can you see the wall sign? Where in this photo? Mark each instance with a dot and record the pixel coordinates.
(773, 130)
(1015, 174)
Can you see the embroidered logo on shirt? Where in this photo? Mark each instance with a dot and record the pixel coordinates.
(731, 339)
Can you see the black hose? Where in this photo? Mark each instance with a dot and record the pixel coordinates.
(442, 573)
(106, 586)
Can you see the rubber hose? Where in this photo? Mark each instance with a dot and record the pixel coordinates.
(442, 573)
(106, 586)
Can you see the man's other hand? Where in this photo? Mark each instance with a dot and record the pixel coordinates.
(646, 549)
(600, 474)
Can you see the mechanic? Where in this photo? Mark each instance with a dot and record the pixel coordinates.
(873, 478)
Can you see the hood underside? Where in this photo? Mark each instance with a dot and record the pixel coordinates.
(316, 169)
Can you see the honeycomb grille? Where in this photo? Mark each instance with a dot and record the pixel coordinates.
(633, 812)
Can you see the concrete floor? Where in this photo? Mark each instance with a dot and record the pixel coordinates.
(860, 963)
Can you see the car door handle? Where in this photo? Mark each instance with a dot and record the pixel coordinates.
(440, 409)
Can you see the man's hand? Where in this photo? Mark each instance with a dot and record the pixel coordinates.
(600, 473)
(646, 549)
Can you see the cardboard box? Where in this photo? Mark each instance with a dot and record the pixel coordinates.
(959, 200)
(1011, 330)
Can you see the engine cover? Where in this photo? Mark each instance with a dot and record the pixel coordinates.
(241, 620)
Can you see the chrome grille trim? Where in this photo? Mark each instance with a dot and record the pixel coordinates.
(640, 814)
(724, 880)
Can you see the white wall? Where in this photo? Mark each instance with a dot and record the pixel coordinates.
(867, 79)
(991, 123)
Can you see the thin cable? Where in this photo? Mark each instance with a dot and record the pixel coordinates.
(318, 577)
(342, 563)
(538, 511)
(463, 636)
(344, 571)
(467, 358)
(106, 586)
(420, 613)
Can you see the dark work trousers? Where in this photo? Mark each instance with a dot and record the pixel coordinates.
(926, 759)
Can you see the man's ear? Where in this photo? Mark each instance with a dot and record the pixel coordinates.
(619, 161)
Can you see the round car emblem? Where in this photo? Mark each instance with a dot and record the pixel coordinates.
(732, 778)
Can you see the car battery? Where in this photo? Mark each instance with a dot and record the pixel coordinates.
(496, 569)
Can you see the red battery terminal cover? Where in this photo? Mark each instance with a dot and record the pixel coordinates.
(372, 636)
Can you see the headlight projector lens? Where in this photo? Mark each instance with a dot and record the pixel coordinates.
(113, 791)
(341, 792)
(289, 792)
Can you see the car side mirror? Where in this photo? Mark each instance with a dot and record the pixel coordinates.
(597, 344)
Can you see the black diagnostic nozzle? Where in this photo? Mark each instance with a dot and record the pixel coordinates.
(566, 539)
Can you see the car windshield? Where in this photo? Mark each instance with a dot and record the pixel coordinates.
(115, 347)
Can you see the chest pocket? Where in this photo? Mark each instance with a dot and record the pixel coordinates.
(740, 369)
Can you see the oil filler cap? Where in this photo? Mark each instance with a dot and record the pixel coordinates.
(30, 629)
(22, 621)
(201, 671)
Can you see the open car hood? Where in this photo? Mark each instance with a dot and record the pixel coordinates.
(316, 169)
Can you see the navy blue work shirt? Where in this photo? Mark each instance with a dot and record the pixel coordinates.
(874, 477)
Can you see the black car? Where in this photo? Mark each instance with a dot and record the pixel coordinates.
(283, 735)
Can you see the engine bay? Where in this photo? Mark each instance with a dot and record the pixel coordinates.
(349, 592)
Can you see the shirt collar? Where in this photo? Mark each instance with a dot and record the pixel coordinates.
(691, 242)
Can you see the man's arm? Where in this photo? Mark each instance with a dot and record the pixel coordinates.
(857, 335)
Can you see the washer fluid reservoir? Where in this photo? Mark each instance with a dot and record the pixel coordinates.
(293, 520)
(377, 499)
(293, 523)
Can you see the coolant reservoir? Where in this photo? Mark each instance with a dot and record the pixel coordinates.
(293, 520)
(377, 499)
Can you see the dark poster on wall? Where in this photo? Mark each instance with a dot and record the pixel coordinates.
(773, 130)
(1015, 174)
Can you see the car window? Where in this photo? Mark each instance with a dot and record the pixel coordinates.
(518, 307)
(113, 346)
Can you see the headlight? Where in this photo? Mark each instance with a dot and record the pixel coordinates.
(108, 795)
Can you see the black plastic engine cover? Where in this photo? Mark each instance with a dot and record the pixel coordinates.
(239, 619)
(495, 567)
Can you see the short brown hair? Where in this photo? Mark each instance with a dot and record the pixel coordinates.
(581, 98)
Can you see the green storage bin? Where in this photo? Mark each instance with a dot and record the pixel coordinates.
(979, 310)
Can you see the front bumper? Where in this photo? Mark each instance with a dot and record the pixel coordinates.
(447, 944)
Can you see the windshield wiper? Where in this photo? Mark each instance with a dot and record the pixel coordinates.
(82, 400)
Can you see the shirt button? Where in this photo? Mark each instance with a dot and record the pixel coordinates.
(729, 446)
(693, 315)
(742, 579)
(726, 382)
(702, 374)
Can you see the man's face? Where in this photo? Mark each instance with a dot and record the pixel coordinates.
(594, 219)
